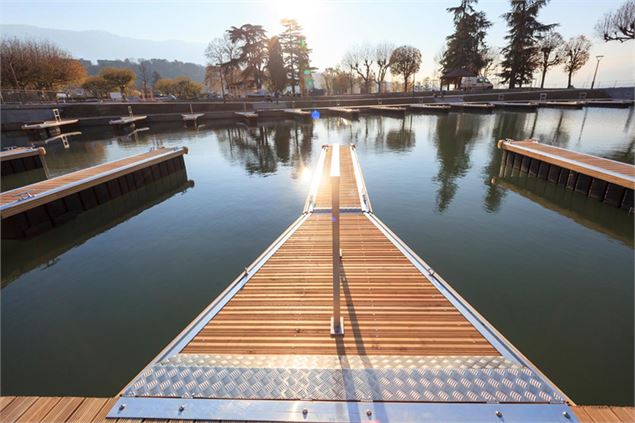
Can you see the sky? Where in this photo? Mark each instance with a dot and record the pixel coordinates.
(331, 27)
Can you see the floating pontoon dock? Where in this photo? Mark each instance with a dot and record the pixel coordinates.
(386, 110)
(21, 159)
(606, 180)
(429, 108)
(298, 114)
(472, 107)
(338, 320)
(34, 208)
(349, 113)
(562, 104)
(48, 129)
(250, 118)
(126, 123)
(530, 106)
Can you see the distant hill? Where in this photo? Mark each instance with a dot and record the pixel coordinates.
(96, 45)
(164, 68)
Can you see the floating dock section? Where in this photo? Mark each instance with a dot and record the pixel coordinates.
(21, 159)
(249, 118)
(428, 108)
(126, 123)
(606, 180)
(49, 129)
(397, 111)
(563, 104)
(345, 112)
(472, 107)
(298, 114)
(338, 320)
(530, 106)
(37, 207)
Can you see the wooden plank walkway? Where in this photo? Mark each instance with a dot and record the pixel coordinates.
(430, 108)
(389, 307)
(618, 173)
(89, 410)
(349, 191)
(21, 152)
(61, 186)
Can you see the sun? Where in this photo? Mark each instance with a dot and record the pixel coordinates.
(306, 12)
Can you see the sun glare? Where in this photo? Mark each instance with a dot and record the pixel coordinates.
(305, 176)
(306, 12)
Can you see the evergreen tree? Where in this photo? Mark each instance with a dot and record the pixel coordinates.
(466, 48)
(521, 53)
(295, 53)
(253, 51)
(275, 66)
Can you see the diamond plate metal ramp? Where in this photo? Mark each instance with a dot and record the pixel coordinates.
(427, 379)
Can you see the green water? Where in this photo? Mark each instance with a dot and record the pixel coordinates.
(87, 305)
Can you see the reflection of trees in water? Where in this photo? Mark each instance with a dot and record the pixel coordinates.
(80, 155)
(556, 130)
(624, 153)
(260, 149)
(382, 133)
(402, 139)
(506, 125)
(454, 141)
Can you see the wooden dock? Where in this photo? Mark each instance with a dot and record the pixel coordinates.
(411, 350)
(94, 410)
(298, 114)
(34, 208)
(619, 104)
(606, 180)
(250, 118)
(429, 108)
(21, 159)
(472, 107)
(397, 111)
(563, 104)
(48, 129)
(524, 106)
(349, 113)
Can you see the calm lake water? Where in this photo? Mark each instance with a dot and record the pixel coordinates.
(87, 305)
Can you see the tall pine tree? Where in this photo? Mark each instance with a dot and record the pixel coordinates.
(521, 53)
(466, 48)
(275, 66)
(295, 52)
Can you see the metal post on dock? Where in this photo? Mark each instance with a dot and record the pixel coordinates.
(337, 322)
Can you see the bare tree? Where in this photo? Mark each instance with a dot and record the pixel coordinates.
(144, 72)
(383, 55)
(348, 62)
(575, 54)
(550, 52)
(619, 25)
(223, 53)
(360, 59)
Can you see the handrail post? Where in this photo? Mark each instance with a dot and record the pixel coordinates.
(337, 322)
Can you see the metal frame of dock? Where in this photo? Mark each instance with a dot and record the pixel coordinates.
(412, 350)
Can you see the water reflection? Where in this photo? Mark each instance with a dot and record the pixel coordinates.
(454, 139)
(20, 256)
(586, 211)
(261, 149)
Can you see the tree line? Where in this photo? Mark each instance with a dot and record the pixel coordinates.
(532, 46)
(246, 58)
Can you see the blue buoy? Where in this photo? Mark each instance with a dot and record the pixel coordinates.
(315, 114)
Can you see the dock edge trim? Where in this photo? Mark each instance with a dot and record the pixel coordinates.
(336, 411)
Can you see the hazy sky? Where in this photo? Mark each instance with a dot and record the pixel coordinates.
(331, 26)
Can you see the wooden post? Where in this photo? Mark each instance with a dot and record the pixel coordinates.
(337, 322)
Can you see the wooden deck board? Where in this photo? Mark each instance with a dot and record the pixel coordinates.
(618, 173)
(349, 194)
(604, 414)
(20, 152)
(80, 179)
(295, 301)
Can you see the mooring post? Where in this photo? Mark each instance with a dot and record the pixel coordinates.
(337, 322)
